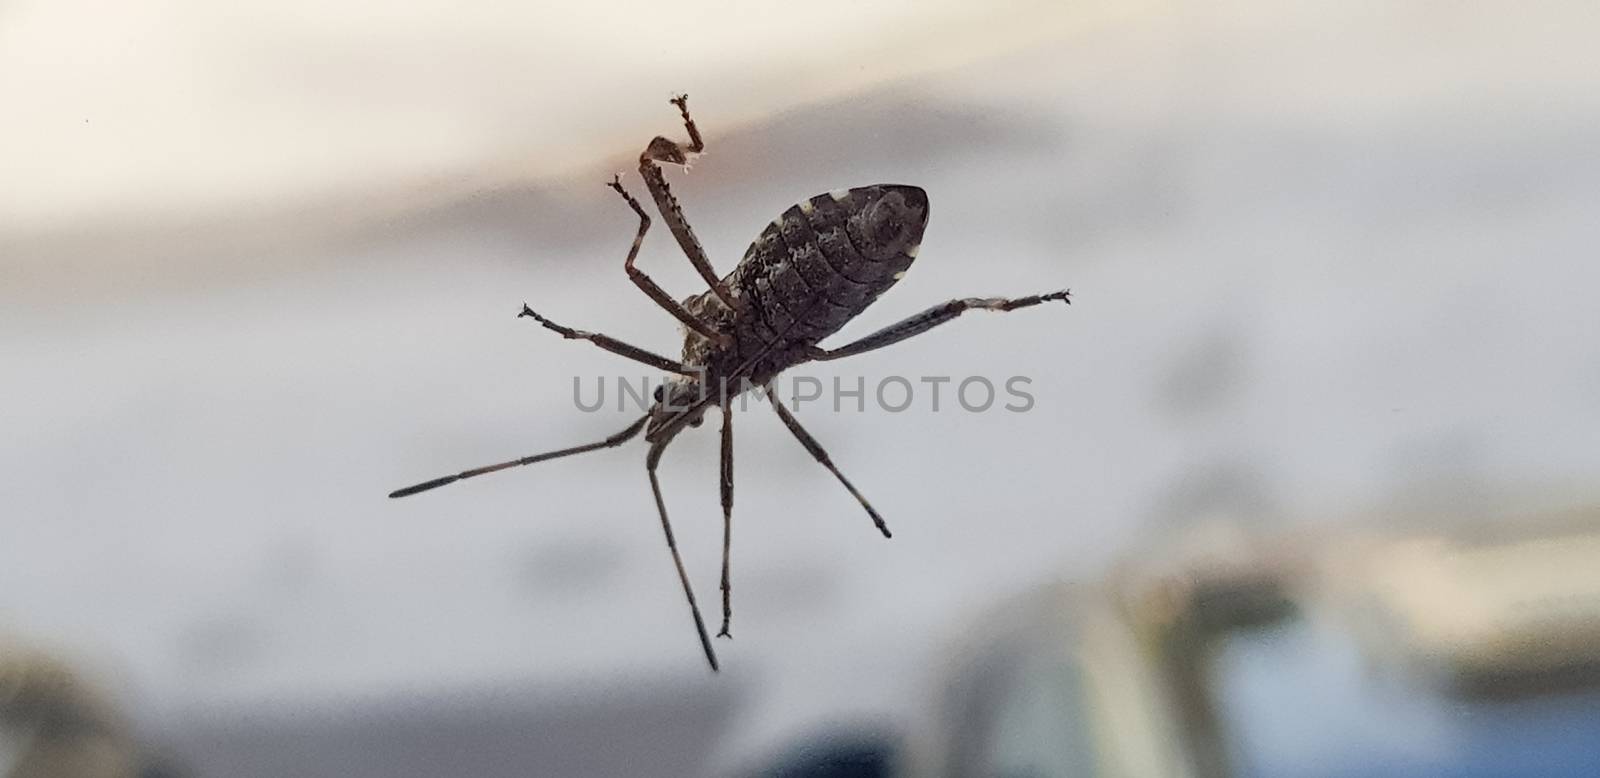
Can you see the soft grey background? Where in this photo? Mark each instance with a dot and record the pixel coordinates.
(1328, 259)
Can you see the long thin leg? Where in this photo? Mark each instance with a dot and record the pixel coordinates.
(648, 286)
(727, 515)
(933, 317)
(610, 344)
(677, 560)
(820, 455)
(665, 150)
(615, 440)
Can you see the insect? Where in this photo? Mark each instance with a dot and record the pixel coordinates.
(812, 270)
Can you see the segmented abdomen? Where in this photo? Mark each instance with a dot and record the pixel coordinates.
(806, 275)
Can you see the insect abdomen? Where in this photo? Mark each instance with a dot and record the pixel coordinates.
(826, 259)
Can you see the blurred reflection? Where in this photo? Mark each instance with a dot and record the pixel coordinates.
(53, 724)
(1354, 653)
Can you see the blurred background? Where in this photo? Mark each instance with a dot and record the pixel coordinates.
(1307, 489)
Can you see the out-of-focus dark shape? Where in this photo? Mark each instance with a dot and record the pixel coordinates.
(836, 755)
(1054, 683)
(1455, 650)
(53, 724)
(1186, 604)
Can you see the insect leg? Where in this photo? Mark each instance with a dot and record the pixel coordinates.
(615, 440)
(665, 150)
(933, 317)
(651, 461)
(648, 286)
(820, 455)
(696, 145)
(611, 344)
(727, 514)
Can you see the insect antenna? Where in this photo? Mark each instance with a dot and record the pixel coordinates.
(615, 440)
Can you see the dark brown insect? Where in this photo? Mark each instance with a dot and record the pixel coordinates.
(809, 272)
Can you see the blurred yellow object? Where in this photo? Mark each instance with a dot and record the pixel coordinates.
(1493, 617)
(52, 725)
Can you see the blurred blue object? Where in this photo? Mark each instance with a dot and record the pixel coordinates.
(1300, 702)
(837, 755)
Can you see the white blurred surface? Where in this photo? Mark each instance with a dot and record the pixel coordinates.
(121, 112)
